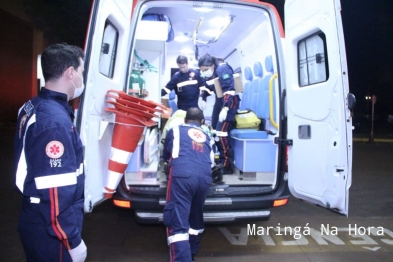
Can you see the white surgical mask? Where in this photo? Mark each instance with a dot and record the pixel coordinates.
(78, 90)
(208, 73)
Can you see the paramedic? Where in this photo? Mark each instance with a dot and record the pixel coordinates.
(209, 91)
(225, 108)
(188, 150)
(49, 162)
(186, 83)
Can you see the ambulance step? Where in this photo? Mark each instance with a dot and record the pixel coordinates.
(210, 216)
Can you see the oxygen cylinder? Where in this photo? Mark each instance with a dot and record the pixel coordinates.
(137, 83)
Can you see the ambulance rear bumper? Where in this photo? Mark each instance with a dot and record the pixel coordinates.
(209, 217)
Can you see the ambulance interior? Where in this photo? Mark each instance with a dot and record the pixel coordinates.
(243, 37)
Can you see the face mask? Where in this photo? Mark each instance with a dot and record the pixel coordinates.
(208, 73)
(78, 91)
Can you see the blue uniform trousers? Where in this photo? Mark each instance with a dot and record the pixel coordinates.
(37, 243)
(223, 143)
(216, 111)
(183, 213)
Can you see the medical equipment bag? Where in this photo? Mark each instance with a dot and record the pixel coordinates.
(247, 119)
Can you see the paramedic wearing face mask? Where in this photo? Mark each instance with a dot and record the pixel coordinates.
(225, 108)
(186, 83)
(49, 162)
(209, 76)
(188, 150)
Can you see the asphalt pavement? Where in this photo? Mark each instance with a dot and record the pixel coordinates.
(111, 233)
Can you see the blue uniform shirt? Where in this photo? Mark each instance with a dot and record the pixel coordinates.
(224, 72)
(188, 147)
(186, 86)
(49, 166)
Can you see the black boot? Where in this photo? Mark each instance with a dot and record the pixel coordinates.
(228, 170)
(217, 173)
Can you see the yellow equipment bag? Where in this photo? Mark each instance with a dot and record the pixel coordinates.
(247, 119)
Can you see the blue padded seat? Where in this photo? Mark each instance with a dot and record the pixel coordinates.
(249, 145)
(255, 88)
(246, 88)
(264, 95)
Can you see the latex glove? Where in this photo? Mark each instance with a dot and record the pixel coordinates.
(79, 253)
(223, 114)
(201, 103)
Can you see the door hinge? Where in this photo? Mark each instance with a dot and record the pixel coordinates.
(287, 142)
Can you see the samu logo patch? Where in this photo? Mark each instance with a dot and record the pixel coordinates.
(54, 149)
(197, 135)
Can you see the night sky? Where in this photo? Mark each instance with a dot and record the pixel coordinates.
(368, 32)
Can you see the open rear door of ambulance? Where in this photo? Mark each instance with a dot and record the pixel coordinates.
(106, 65)
(319, 121)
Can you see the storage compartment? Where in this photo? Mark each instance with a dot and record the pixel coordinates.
(152, 30)
(254, 155)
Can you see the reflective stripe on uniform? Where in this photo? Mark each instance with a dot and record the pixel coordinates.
(79, 171)
(204, 88)
(186, 83)
(166, 90)
(232, 93)
(212, 158)
(195, 232)
(178, 238)
(220, 133)
(45, 182)
(21, 171)
(35, 200)
(210, 82)
(176, 142)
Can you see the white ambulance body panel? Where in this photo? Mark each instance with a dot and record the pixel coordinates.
(319, 121)
(300, 99)
(110, 32)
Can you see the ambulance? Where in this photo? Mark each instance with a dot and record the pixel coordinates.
(295, 79)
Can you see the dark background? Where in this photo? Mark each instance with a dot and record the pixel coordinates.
(367, 27)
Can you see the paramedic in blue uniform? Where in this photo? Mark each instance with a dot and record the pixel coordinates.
(188, 151)
(186, 83)
(49, 162)
(209, 90)
(225, 108)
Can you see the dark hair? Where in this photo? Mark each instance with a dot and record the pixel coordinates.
(181, 59)
(206, 60)
(194, 114)
(57, 58)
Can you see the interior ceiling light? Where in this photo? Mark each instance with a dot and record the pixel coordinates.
(220, 21)
(203, 9)
(224, 23)
(211, 32)
(187, 51)
(228, 22)
(182, 38)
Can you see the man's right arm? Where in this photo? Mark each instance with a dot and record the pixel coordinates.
(169, 86)
(57, 172)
